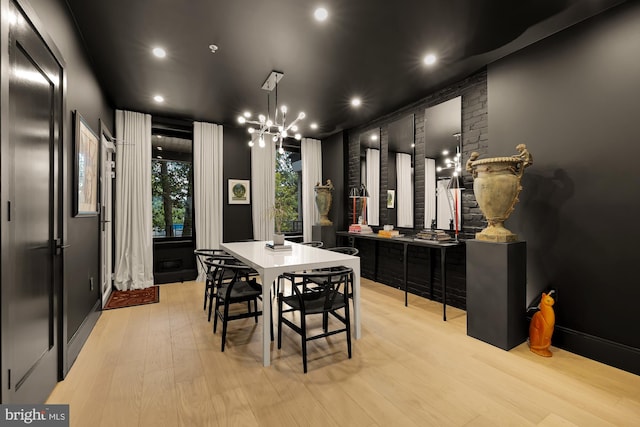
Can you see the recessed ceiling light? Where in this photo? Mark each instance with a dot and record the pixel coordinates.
(356, 102)
(313, 126)
(320, 14)
(159, 136)
(159, 148)
(158, 98)
(374, 137)
(159, 52)
(430, 59)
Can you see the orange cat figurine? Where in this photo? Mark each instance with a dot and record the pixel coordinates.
(541, 327)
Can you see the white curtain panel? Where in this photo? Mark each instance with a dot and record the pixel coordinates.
(449, 204)
(134, 240)
(404, 196)
(373, 186)
(444, 208)
(263, 181)
(311, 152)
(429, 191)
(208, 186)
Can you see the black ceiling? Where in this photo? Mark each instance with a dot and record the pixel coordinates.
(369, 48)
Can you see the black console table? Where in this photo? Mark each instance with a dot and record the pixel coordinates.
(406, 242)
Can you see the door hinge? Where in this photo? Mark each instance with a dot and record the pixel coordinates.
(59, 246)
(9, 379)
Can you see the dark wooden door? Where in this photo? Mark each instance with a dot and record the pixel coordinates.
(31, 265)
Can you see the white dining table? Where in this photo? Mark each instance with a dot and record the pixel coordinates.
(270, 264)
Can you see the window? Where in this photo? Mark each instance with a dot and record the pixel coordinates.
(172, 186)
(289, 188)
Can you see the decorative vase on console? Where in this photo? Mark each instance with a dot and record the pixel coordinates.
(323, 201)
(496, 186)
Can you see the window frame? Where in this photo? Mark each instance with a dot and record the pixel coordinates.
(174, 129)
(293, 146)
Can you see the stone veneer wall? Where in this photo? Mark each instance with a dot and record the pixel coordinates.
(388, 268)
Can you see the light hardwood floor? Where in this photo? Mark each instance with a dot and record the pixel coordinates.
(160, 365)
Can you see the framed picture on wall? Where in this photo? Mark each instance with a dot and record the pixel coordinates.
(239, 192)
(391, 199)
(86, 153)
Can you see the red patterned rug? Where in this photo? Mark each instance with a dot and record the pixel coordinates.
(119, 299)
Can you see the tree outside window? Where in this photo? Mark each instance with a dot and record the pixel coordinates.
(287, 197)
(172, 190)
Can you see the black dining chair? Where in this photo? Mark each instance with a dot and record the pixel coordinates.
(313, 243)
(234, 283)
(277, 284)
(347, 250)
(327, 296)
(202, 255)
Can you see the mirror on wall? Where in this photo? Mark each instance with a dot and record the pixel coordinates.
(443, 157)
(370, 176)
(400, 172)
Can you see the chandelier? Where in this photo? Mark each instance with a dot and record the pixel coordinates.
(275, 127)
(455, 162)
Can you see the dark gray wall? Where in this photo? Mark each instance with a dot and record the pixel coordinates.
(474, 138)
(237, 221)
(83, 93)
(574, 99)
(383, 262)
